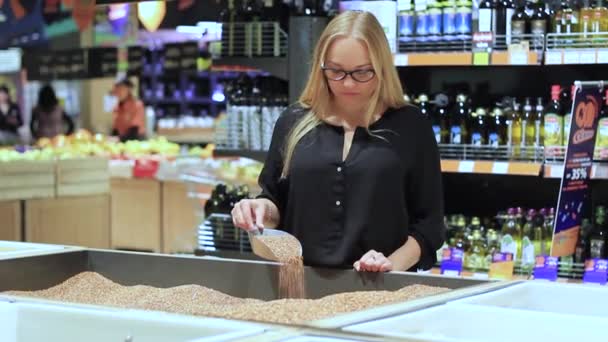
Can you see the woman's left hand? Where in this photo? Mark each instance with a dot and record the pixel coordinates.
(373, 261)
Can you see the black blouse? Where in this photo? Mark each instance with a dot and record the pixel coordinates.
(14, 112)
(386, 189)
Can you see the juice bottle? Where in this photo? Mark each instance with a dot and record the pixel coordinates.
(597, 238)
(527, 125)
(528, 252)
(601, 142)
(514, 129)
(539, 128)
(493, 243)
(554, 120)
(405, 20)
(548, 229)
(511, 235)
(598, 20)
(586, 26)
(475, 256)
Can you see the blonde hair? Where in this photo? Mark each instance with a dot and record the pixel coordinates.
(316, 98)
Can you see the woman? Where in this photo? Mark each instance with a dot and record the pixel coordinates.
(10, 118)
(353, 171)
(48, 118)
(129, 117)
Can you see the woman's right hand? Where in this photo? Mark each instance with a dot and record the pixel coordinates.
(250, 214)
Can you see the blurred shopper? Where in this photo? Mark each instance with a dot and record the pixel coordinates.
(10, 118)
(48, 117)
(129, 115)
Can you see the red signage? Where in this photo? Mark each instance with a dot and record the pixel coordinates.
(18, 10)
(51, 6)
(83, 12)
(184, 4)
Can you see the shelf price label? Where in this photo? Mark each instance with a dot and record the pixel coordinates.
(545, 267)
(502, 266)
(572, 57)
(553, 57)
(587, 57)
(596, 271)
(602, 56)
(451, 261)
(401, 59)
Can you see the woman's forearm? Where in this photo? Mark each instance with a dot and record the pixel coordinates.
(406, 256)
(273, 217)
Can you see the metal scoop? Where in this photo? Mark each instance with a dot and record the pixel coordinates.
(261, 249)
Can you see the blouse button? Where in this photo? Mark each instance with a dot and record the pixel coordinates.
(339, 169)
(338, 203)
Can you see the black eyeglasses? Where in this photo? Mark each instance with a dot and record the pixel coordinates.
(359, 75)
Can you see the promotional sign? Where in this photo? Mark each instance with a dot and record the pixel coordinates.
(596, 271)
(546, 268)
(573, 196)
(451, 262)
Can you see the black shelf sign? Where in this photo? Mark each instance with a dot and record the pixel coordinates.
(135, 58)
(103, 62)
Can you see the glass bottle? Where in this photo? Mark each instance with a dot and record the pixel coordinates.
(554, 120)
(458, 121)
(520, 19)
(511, 235)
(497, 128)
(478, 127)
(597, 238)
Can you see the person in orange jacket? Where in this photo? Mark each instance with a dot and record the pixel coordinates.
(129, 115)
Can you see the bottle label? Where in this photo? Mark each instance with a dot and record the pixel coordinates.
(518, 27)
(538, 27)
(456, 135)
(493, 139)
(602, 133)
(463, 20)
(406, 24)
(449, 20)
(553, 130)
(485, 20)
(476, 139)
(508, 245)
(527, 251)
(437, 131)
(422, 19)
(434, 22)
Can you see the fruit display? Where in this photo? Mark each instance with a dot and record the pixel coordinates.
(85, 144)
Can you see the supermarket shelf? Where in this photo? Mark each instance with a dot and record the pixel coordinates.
(277, 66)
(575, 48)
(491, 167)
(433, 58)
(255, 155)
(554, 170)
(188, 135)
(515, 58)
